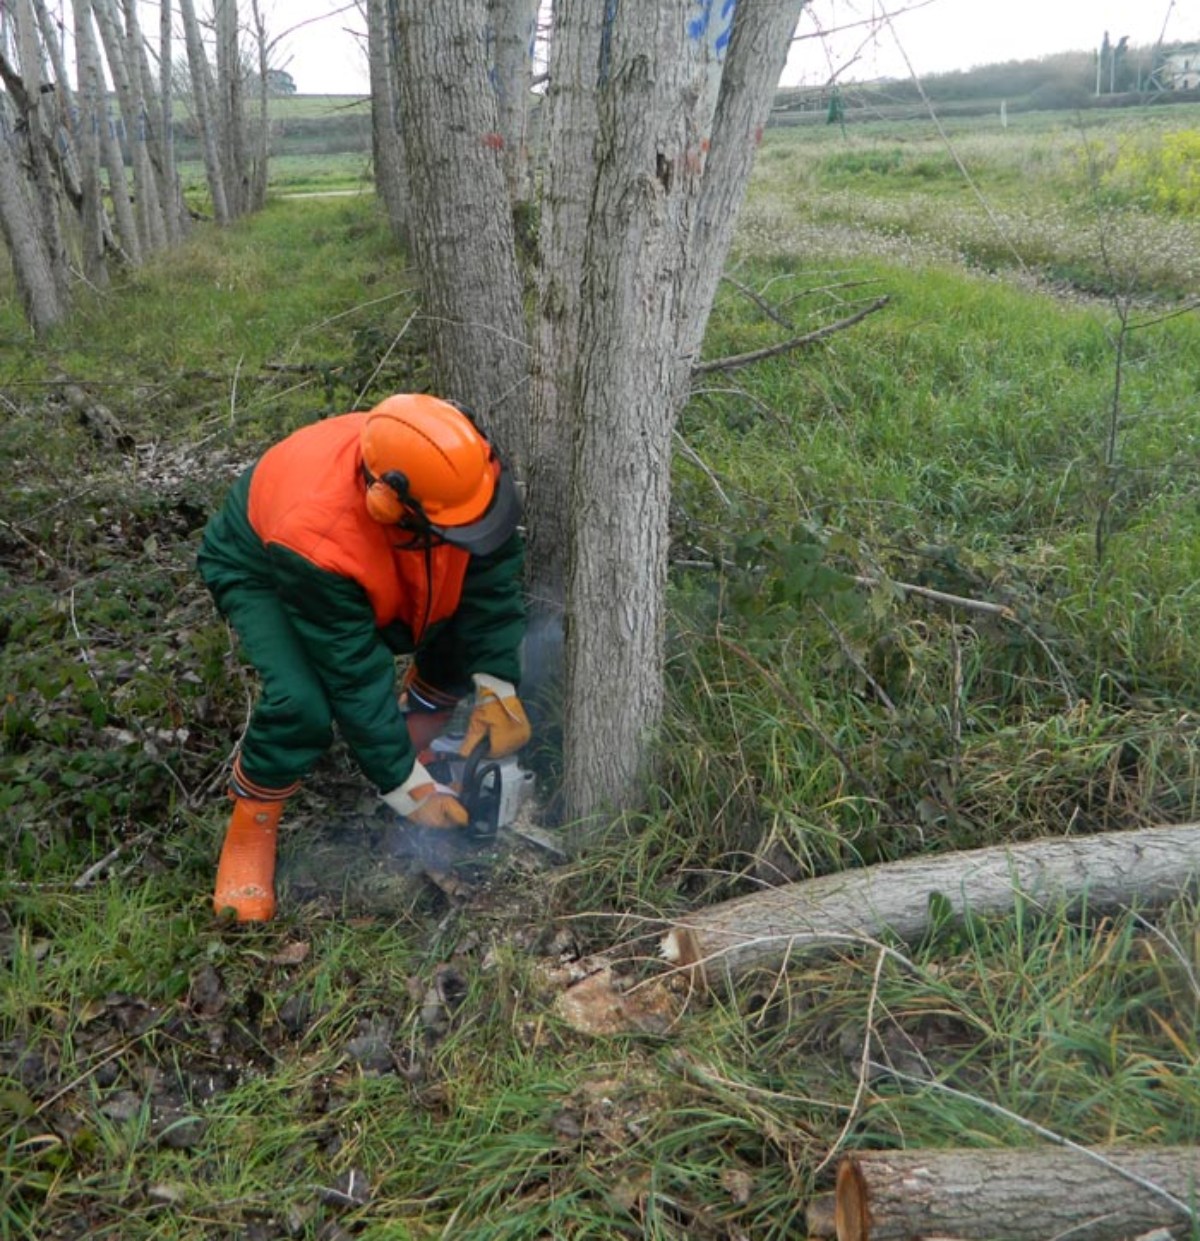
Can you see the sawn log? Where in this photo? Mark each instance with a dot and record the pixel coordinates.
(1009, 1195)
(1108, 871)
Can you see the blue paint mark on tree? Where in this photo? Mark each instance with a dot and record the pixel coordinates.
(714, 22)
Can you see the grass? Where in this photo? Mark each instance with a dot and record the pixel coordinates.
(164, 1076)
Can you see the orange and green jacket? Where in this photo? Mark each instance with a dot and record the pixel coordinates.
(296, 523)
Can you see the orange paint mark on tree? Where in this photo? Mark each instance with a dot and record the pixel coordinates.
(493, 141)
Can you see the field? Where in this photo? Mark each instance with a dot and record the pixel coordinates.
(1017, 426)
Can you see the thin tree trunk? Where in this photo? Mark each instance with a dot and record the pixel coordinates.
(203, 92)
(766, 929)
(99, 123)
(1014, 1195)
(569, 124)
(232, 108)
(261, 133)
(40, 296)
(513, 24)
(44, 184)
(152, 229)
(387, 140)
(91, 210)
(462, 229)
(177, 208)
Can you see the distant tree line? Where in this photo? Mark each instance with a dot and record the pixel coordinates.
(1063, 80)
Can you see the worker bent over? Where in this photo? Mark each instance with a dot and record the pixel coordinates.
(349, 542)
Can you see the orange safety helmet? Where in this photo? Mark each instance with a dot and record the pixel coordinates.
(431, 470)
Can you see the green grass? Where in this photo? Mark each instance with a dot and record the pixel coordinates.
(163, 1076)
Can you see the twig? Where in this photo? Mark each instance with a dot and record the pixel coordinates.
(43, 555)
(849, 655)
(694, 457)
(761, 302)
(96, 868)
(1001, 610)
(863, 1067)
(1043, 1132)
(733, 361)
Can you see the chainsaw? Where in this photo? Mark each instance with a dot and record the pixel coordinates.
(493, 790)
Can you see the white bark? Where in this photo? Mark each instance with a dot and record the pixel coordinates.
(767, 929)
(462, 230)
(203, 97)
(387, 140)
(92, 215)
(260, 132)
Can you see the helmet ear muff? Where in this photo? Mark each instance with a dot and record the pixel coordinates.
(390, 500)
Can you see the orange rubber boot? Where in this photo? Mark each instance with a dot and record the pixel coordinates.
(246, 871)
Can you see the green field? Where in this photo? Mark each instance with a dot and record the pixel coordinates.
(162, 1076)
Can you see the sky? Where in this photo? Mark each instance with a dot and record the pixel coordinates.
(325, 57)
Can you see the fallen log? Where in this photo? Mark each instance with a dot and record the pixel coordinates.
(1087, 1194)
(765, 929)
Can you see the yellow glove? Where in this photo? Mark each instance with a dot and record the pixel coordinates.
(496, 715)
(421, 800)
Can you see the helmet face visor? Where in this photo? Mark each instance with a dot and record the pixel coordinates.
(491, 531)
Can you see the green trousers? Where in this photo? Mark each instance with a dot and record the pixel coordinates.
(292, 724)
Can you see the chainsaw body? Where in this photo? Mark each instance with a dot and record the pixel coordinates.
(494, 790)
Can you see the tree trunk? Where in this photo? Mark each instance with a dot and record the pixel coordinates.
(387, 141)
(152, 229)
(99, 124)
(38, 141)
(231, 108)
(260, 145)
(569, 128)
(43, 304)
(166, 96)
(513, 25)
(91, 209)
(1009, 1195)
(767, 929)
(462, 234)
(203, 92)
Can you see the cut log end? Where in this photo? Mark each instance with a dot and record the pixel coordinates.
(851, 1217)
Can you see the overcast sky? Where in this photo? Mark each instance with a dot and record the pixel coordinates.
(324, 56)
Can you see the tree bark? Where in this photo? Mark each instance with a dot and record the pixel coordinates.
(203, 101)
(569, 130)
(43, 304)
(1009, 1195)
(231, 108)
(92, 215)
(766, 929)
(99, 123)
(152, 229)
(462, 234)
(387, 139)
(513, 24)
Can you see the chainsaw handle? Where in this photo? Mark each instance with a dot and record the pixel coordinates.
(481, 791)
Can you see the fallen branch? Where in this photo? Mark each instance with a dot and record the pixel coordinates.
(1088, 1194)
(1107, 872)
(733, 361)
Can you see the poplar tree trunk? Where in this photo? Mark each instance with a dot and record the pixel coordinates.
(513, 24)
(231, 109)
(203, 97)
(259, 146)
(569, 126)
(152, 229)
(43, 304)
(766, 929)
(462, 235)
(98, 122)
(387, 140)
(1009, 1195)
(91, 209)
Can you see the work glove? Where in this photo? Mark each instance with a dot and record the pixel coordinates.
(497, 716)
(421, 800)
